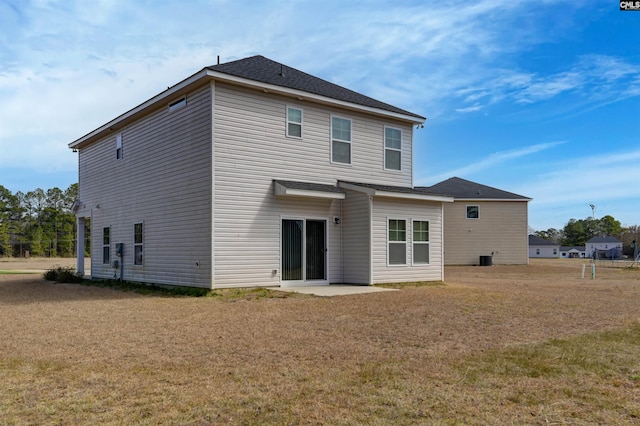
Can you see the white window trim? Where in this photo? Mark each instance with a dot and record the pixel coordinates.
(103, 245)
(427, 243)
(178, 103)
(406, 252)
(384, 159)
(138, 244)
(466, 211)
(287, 121)
(342, 141)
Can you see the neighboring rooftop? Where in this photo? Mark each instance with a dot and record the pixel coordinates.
(596, 240)
(264, 70)
(534, 240)
(466, 189)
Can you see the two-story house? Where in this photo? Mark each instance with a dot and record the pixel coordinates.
(252, 173)
(483, 221)
(604, 247)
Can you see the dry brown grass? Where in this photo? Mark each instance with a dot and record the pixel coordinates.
(495, 345)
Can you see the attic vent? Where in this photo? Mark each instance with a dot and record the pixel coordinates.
(178, 104)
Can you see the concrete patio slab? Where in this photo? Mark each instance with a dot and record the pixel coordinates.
(334, 290)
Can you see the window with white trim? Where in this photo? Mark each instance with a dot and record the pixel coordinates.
(473, 212)
(118, 146)
(138, 251)
(340, 140)
(106, 245)
(392, 148)
(420, 242)
(294, 122)
(397, 242)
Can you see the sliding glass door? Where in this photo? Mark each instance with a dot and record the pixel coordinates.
(304, 250)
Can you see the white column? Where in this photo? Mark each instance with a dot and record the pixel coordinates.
(80, 245)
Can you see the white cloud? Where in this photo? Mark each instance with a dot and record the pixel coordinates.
(469, 109)
(491, 161)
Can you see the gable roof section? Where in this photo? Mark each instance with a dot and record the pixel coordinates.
(260, 73)
(597, 240)
(394, 191)
(264, 70)
(534, 240)
(572, 248)
(463, 189)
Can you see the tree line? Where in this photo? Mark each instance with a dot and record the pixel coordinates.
(38, 223)
(578, 231)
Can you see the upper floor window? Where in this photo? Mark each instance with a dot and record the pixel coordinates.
(178, 103)
(294, 122)
(340, 140)
(118, 146)
(392, 148)
(473, 212)
(397, 242)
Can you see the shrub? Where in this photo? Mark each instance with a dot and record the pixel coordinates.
(63, 274)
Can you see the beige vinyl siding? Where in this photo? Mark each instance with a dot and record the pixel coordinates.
(251, 149)
(409, 210)
(502, 228)
(356, 229)
(164, 181)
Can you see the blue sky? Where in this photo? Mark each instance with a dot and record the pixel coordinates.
(540, 98)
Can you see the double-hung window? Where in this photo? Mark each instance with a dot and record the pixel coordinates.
(340, 140)
(138, 244)
(392, 148)
(294, 122)
(397, 242)
(473, 212)
(420, 242)
(106, 245)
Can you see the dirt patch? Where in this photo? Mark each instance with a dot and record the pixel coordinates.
(75, 354)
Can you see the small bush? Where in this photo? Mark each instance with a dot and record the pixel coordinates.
(63, 274)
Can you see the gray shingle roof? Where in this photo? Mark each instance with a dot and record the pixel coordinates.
(534, 240)
(465, 189)
(569, 248)
(389, 188)
(264, 70)
(596, 240)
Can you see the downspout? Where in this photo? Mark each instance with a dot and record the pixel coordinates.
(370, 240)
(442, 241)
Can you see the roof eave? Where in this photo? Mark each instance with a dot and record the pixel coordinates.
(302, 95)
(196, 79)
(494, 199)
(379, 193)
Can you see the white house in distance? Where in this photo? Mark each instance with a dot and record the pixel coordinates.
(604, 248)
(539, 247)
(252, 173)
(572, 252)
(483, 221)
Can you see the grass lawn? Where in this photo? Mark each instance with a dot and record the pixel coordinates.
(492, 345)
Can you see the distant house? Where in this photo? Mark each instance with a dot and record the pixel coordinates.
(541, 248)
(572, 252)
(252, 173)
(483, 221)
(604, 248)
